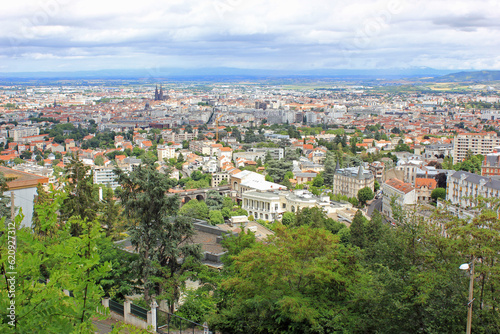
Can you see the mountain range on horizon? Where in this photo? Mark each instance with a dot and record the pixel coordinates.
(212, 74)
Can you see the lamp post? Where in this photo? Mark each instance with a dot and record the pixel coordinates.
(469, 266)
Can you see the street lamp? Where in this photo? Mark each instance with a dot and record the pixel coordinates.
(469, 266)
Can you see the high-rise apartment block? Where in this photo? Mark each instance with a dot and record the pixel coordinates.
(478, 143)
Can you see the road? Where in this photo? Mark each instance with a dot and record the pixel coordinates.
(376, 204)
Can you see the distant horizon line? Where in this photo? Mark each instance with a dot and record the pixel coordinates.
(213, 73)
(189, 69)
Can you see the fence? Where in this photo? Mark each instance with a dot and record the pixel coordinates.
(132, 314)
(167, 323)
(116, 307)
(139, 311)
(158, 320)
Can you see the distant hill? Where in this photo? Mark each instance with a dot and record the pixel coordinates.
(477, 76)
(226, 74)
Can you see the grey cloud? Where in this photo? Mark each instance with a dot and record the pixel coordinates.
(468, 22)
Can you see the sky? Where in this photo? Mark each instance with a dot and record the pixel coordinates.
(75, 35)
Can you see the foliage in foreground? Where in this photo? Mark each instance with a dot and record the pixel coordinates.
(46, 264)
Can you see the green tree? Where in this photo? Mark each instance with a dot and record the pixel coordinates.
(18, 161)
(438, 193)
(239, 212)
(43, 199)
(99, 160)
(228, 202)
(80, 201)
(110, 214)
(197, 305)
(214, 200)
(316, 217)
(121, 281)
(329, 169)
(45, 266)
(374, 230)
(365, 194)
(195, 209)
(401, 147)
(478, 240)
(286, 182)
(200, 184)
(297, 282)
(4, 199)
(159, 237)
(471, 163)
(376, 186)
(278, 168)
(358, 230)
(235, 244)
(226, 213)
(216, 217)
(318, 181)
(268, 157)
(288, 219)
(196, 175)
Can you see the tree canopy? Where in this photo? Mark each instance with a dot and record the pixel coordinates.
(295, 283)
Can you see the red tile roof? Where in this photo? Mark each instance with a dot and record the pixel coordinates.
(400, 185)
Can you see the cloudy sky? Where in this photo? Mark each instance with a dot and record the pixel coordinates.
(71, 35)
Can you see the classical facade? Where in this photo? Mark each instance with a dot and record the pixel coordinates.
(463, 188)
(348, 181)
(247, 180)
(270, 205)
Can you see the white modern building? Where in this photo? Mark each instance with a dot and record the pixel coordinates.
(106, 176)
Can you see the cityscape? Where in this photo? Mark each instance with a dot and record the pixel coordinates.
(213, 168)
